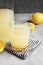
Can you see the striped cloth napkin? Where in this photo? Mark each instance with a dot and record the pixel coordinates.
(28, 51)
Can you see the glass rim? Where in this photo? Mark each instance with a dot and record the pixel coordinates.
(12, 25)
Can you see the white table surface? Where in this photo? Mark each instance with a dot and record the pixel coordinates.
(36, 57)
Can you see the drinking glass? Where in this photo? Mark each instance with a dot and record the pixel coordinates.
(19, 35)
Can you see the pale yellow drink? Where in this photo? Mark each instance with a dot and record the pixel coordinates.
(6, 16)
(19, 36)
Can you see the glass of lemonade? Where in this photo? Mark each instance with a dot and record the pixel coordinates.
(19, 35)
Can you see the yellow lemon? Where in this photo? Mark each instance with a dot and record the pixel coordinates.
(37, 18)
(2, 45)
(32, 26)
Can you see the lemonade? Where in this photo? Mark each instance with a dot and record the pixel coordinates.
(6, 16)
(19, 36)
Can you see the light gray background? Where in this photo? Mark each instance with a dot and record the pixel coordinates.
(36, 57)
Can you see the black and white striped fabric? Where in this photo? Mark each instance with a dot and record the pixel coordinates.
(32, 45)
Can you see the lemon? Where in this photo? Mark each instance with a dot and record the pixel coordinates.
(32, 26)
(2, 45)
(37, 18)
